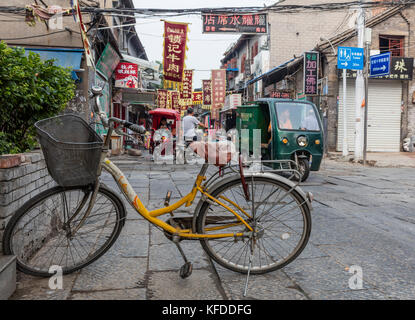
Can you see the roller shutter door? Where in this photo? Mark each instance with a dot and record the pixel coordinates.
(384, 120)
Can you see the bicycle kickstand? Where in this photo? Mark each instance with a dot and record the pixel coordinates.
(249, 271)
(187, 268)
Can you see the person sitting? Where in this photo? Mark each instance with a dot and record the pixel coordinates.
(310, 121)
(284, 118)
(164, 124)
(267, 146)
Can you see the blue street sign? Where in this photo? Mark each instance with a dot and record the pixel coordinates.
(380, 64)
(350, 58)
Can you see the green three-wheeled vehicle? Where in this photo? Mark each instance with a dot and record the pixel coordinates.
(288, 130)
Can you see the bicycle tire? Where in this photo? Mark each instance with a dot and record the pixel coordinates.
(49, 194)
(206, 243)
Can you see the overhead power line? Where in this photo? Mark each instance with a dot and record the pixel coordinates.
(151, 12)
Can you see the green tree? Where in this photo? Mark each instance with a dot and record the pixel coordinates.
(30, 90)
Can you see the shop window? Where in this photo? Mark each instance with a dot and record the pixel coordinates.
(393, 44)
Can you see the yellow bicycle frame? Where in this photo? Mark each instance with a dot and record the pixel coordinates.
(187, 200)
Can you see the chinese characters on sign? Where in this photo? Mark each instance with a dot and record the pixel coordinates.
(207, 93)
(186, 92)
(237, 23)
(175, 37)
(197, 97)
(162, 98)
(280, 94)
(218, 91)
(174, 100)
(311, 60)
(126, 75)
(400, 69)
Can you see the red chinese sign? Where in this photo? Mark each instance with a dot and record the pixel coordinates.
(126, 75)
(186, 92)
(218, 89)
(162, 98)
(280, 94)
(175, 37)
(207, 92)
(174, 100)
(197, 97)
(237, 23)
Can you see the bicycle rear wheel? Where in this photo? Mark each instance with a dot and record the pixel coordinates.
(39, 234)
(278, 213)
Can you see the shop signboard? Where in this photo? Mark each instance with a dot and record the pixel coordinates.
(108, 61)
(235, 23)
(126, 75)
(311, 65)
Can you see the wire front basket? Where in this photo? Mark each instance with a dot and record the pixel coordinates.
(72, 149)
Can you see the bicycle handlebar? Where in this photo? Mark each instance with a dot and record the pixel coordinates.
(96, 93)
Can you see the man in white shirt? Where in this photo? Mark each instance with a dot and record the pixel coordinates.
(189, 123)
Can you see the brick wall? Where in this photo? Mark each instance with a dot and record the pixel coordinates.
(293, 33)
(21, 183)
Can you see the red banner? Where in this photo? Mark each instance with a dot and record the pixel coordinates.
(175, 37)
(197, 97)
(207, 92)
(174, 100)
(218, 90)
(126, 75)
(186, 92)
(162, 98)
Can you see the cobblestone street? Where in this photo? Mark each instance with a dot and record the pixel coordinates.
(362, 217)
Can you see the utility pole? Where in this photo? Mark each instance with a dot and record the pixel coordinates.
(360, 88)
(345, 146)
(368, 42)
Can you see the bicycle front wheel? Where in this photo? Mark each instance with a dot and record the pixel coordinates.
(277, 213)
(41, 235)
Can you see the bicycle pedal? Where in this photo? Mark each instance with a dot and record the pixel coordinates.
(167, 199)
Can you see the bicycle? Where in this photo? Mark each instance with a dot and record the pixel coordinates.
(249, 222)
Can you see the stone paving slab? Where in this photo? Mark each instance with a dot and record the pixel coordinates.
(275, 285)
(201, 285)
(166, 257)
(112, 272)
(35, 288)
(121, 294)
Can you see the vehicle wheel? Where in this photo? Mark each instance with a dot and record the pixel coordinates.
(304, 168)
(39, 235)
(280, 216)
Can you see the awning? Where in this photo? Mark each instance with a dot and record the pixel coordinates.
(144, 64)
(65, 57)
(276, 73)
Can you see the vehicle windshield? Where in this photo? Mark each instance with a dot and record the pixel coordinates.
(297, 116)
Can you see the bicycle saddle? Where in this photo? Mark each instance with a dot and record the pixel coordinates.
(217, 153)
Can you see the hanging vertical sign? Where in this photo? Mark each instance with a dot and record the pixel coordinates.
(162, 98)
(311, 64)
(174, 53)
(175, 105)
(197, 97)
(218, 91)
(186, 92)
(207, 93)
